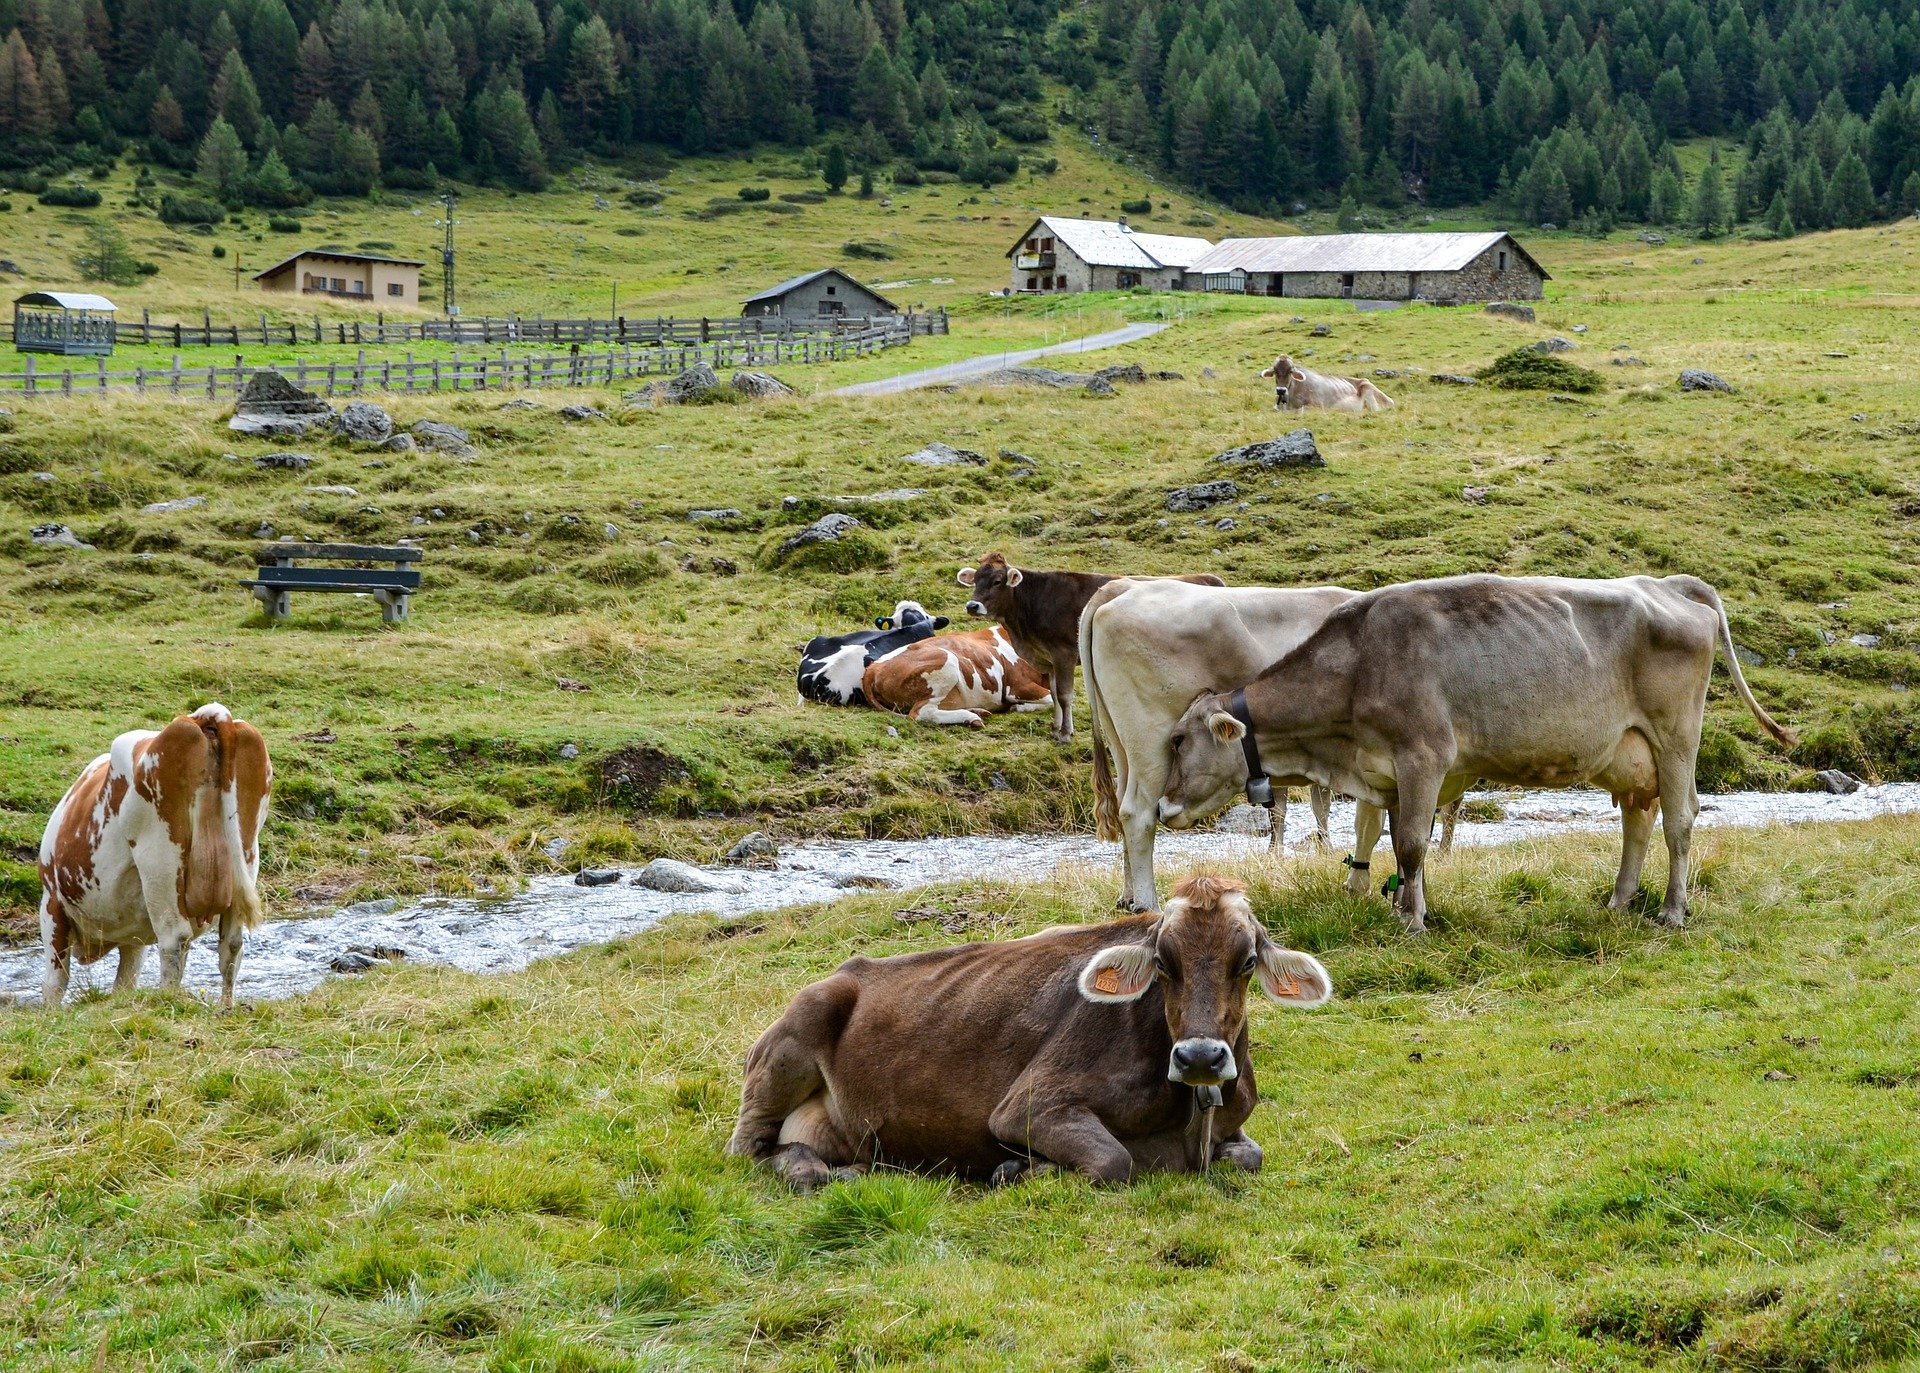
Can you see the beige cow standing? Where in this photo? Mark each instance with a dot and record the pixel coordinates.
(1300, 388)
(157, 841)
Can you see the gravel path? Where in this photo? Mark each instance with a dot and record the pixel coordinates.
(993, 362)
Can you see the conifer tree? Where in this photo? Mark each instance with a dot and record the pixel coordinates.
(1707, 215)
(1849, 194)
(833, 171)
(222, 163)
(1663, 200)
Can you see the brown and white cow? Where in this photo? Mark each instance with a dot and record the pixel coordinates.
(955, 679)
(1404, 696)
(1041, 612)
(1109, 1049)
(1300, 388)
(157, 841)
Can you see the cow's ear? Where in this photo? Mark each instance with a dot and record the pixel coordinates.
(964, 576)
(1119, 972)
(884, 622)
(1015, 576)
(1267, 372)
(1298, 375)
(1292, 978)
(1225, 728)
(941, 622)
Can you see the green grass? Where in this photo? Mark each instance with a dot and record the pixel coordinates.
(1542, 1136)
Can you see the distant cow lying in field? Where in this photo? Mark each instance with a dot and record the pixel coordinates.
(831, 665)
(1109, 1049)
(157, 840)
(956, 679)
(1299, 388)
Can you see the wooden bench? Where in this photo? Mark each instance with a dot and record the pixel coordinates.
(280, 576)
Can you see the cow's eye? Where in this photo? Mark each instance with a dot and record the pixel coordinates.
(1160, 967)
(1246, 969)
(1179, 741)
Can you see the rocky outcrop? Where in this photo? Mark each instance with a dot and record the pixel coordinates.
(1296, 449)
(826, 529)
(1695, 379)
(1201, 496)
(270, 404)
(1523, 313)
(440, 437)
(669, 875)
(760, 385)
(937, 454)
(364, 422)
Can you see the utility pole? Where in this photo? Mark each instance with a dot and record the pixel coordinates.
(236, 271)
(448, 200)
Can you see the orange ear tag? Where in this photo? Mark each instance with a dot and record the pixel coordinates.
(1107, 981)
(1288, 988)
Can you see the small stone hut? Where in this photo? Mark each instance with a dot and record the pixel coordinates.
(1446, 269)
(826, 294)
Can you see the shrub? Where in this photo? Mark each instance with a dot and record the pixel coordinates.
(1525, 370)
(72, 194)
(645, 197)
(219, 250)
(755, 193)
(873, 252)
(147, 269)
(284, 224)
(854, 551)
(189, 209)
(1136, 207)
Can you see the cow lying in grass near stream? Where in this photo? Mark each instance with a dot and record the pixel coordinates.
(955, 679)
(1109, 1049)
(1404, 696)
(831, 665)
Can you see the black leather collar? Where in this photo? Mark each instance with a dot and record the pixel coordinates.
(1259, 789)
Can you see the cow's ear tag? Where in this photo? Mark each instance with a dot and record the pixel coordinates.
(1107, 980)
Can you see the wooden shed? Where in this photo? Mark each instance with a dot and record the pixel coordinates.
(71, 323)
(826, 294)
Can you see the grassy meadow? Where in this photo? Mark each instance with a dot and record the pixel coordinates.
(1543, 1136)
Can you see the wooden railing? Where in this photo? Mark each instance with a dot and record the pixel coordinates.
(471, 373)
(658, 330)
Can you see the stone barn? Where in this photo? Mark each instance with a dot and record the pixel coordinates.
(1446, 269)
(825, 294)
(1061, 254)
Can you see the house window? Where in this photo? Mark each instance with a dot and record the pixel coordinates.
(1046, 245)
(1503, 259)
(359, 288)
(394, 288)
(1060, 283)
(1032, 284)
(830, 290)
(1033, 245)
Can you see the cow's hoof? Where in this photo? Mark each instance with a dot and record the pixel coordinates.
(1246, 1156)
(1008, 1173)
(849, 1173)
(1673, 920)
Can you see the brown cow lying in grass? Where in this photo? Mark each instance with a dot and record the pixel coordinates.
(1090, 1047)
(955, 679)
(1300, 388)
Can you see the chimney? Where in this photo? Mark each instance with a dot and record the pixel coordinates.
(1123, 225)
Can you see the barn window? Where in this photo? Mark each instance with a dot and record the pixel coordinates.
(1503, 259)
(830, 290)
(394, 288)
(1129, 279)
(1060, 283)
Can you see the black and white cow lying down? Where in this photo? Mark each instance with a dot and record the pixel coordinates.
(831, 665)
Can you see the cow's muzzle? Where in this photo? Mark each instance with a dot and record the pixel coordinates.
(974, 608)
(1174, 815)
(1279, 397)
(1202, 1062)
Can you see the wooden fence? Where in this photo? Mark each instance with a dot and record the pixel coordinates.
(459, 373)
(663, 331)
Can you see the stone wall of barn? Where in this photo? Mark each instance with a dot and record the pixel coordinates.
(1083, 277)
(804, 301)
(1482, 279)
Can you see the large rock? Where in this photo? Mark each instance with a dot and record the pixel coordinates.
(1453, 379)
(56, 536)
(1694, 379)
(1524, 313)
(723, 515)
(826, 529)
(1837, 783)
(284, 462)
(364, 422)
(1131, 372)
(443, 438)
(581, 413)
(1556, 344)
(1201, 496)
(669, 875)
(895, 496)
(755, 849)
(270, 404)
(1296, 449)
(760, 385)
(937, 454)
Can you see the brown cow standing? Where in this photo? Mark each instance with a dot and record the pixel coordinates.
(955, 679)
(1088, 1047)
(157, 840)
(1041, 612)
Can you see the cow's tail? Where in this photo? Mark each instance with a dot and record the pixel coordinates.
(1778, 731)
(220, 849)
(1106, 798)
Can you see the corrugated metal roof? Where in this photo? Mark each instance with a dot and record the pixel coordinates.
(337, 257)
(67, 300)
(792, 283)
(1351, 253)
(1105, 243)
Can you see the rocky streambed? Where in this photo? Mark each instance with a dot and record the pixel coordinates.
(554, 913)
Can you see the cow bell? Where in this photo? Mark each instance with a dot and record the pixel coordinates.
(1259, 790)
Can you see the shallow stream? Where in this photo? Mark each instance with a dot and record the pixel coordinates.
(553, 915)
